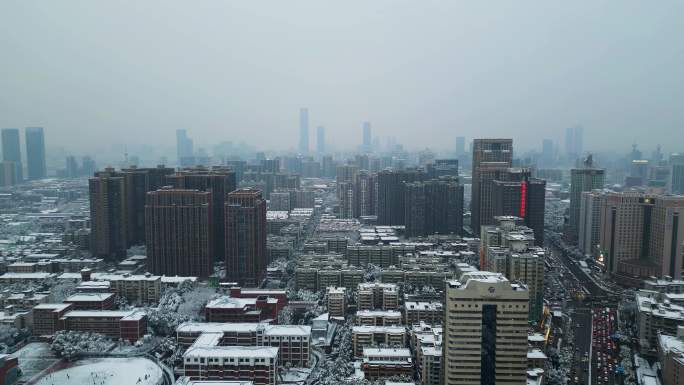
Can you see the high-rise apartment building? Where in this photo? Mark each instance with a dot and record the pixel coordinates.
(641, 236)
(490, 158)
(508, 248)
(366, 144)
(219, 181)
(108, 215)
(485, 331)
(589, 227)
(178, 232)
(320, 139)
(137, 182)
(433, 207)
(582, 179)
(365, 194)
(11, 152)
(390, 207)
(35, 153)
(245, 234)
(304, 131)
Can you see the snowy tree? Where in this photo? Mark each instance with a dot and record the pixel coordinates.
(372, 273)
(61, 290)
(286, 316)
(178, 305)
(69, 344)
(10, 335)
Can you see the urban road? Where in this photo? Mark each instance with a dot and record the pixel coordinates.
(585, 367)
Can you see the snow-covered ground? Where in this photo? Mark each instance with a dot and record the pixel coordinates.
(34, 358)
(295, 375)
(107, 371)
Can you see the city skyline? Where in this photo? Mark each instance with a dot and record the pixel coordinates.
(463, 90)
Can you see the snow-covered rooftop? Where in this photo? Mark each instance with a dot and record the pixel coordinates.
(233, 352)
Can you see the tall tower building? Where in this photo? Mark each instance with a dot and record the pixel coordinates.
(345, 174)
(108, 215)
(8, 174)
(365, 193)
(35, 153)
(460, 146)
(641, 236)
(366, 143)
(516, 193)
(582, 179)
(508, 248)
(219, 181)
(245, 213)
(485, 331)
(574, 142)
(390, 208)
(11, 151)
(320, 139)
(303, 131)
(491, 157)
(433, 207)
(178, 232)
(547, 152)
(184, 149)
(589, 227)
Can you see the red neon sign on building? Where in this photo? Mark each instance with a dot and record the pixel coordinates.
(523, 198)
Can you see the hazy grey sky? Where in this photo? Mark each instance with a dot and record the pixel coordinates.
(424, 71)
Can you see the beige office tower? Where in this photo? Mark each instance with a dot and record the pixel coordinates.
(485, 331)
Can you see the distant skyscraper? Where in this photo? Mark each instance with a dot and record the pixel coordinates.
(219, 181)
(547, 152)
(11, 151)
(320, 139)
(184, 148)
(88, 166)
(35, 153)
(460, 146)
(367, 145)
(8, 176)
(574, 142)
(71, 167)
(178, 232)
(582, 179)
(485, 334)
(490, 158)
(304, 131)
(108, 215)
(245, 213)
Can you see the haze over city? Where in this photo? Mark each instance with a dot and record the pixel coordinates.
(128, 73)
(351, 193)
